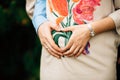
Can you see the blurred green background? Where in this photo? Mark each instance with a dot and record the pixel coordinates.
(19, 45)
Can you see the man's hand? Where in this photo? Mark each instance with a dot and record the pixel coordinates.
(44, 33)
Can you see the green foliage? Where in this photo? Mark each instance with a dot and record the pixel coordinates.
(19, 45)
(12, 13)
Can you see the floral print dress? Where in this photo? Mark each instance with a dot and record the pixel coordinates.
(100, 61)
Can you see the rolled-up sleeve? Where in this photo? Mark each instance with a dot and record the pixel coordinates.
(30, 7)
(39, 14)
(116, 15)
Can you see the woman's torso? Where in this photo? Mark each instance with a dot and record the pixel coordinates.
(99, 64)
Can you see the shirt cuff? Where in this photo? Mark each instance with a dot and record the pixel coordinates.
(37, 21)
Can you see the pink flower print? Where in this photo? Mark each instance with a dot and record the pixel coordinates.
(84, 10)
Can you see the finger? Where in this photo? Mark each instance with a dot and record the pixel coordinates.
(67, 29)
(52, 49)
(54, 26)
(46, 44)
(69, 44)
(53, 54)
(80, 51)
(84, 52)
(52, 43)
(71, 50)
(76, 51)
(42, 42)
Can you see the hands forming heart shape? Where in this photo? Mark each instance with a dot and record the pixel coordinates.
(77, 38)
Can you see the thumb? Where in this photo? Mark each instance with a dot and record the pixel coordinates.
(55, 26)
(67, 29)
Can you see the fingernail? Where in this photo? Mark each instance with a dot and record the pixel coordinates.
(84, 52)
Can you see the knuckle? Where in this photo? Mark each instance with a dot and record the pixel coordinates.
(42, 42)
(76, 43)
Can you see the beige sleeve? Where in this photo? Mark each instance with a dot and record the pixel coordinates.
(30, 7)
(116, 15)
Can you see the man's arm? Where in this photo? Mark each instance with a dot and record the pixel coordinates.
(30, 7)
(44, 28)
(39, 15)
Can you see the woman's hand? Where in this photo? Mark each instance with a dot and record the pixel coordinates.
(78, 40)
(44, 33)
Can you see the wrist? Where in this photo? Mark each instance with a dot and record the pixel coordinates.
(92, 32)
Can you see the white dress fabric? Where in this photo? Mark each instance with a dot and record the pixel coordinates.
(99, 64)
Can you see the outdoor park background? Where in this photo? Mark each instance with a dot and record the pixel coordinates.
(19, 45)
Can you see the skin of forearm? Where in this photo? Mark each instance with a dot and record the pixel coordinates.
(103, 25)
